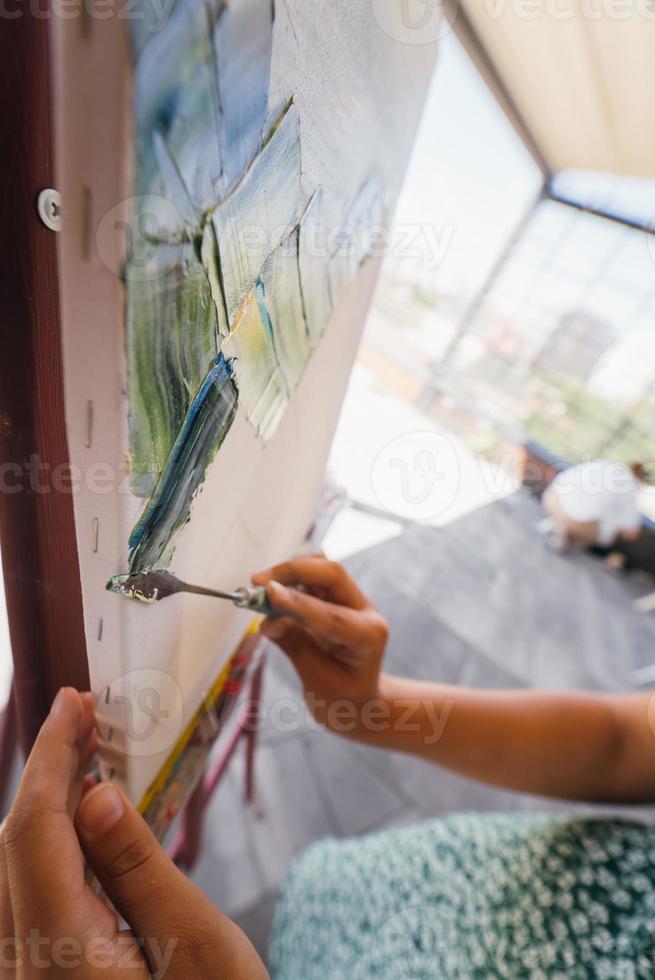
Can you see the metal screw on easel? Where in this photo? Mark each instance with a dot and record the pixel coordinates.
(48, 205)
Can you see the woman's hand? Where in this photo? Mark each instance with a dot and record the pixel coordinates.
(568, 745)
(51, 922)
(333, 635)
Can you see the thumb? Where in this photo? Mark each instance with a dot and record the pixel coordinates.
(143, 884)
(152, 894)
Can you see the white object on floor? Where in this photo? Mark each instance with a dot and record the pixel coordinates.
(600, 490)
(644, 675)
(552, 534)
(645, 604)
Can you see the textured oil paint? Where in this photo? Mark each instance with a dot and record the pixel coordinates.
(313, 267)
(242, 40)
(362, 219)
(282, 297)
(177, 107)
(202, 99)
(212, 265)
(172, 335)
(261, 385)
(230, 279)
(207, 422)
(251, 223)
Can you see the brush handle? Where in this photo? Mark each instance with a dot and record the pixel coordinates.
(256, 600)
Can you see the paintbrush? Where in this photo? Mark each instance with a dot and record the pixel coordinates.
(159, 584)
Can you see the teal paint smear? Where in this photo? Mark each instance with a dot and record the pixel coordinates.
(260, 212)
(201, 436)
(172, 341)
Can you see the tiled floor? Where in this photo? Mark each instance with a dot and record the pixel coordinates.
(480, 602)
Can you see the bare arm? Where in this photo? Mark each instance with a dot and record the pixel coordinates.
(573, 746)
(567, 745)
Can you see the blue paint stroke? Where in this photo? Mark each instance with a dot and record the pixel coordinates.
(243, 43)
(176, 104)
(207, 423)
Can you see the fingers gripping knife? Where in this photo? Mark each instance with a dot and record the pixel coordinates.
(154, 586)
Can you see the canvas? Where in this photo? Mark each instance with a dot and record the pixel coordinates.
(229, 170)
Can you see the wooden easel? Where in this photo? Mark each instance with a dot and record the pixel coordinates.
(39, 551)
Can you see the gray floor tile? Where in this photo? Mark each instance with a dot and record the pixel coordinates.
(291, 811)
(357, 795)
(228, 871)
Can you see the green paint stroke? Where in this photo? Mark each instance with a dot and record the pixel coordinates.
(172, 341)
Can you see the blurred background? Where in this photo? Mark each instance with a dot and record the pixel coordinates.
(509, 311)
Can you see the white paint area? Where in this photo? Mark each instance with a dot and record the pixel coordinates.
(6, 665)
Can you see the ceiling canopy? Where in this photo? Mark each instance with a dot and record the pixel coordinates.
(576, 77)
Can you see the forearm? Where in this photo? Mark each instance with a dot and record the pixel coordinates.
(566, 745)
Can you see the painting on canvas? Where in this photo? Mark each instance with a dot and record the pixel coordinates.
(241, 161)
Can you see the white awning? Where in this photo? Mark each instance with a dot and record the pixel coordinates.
(577, 77)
